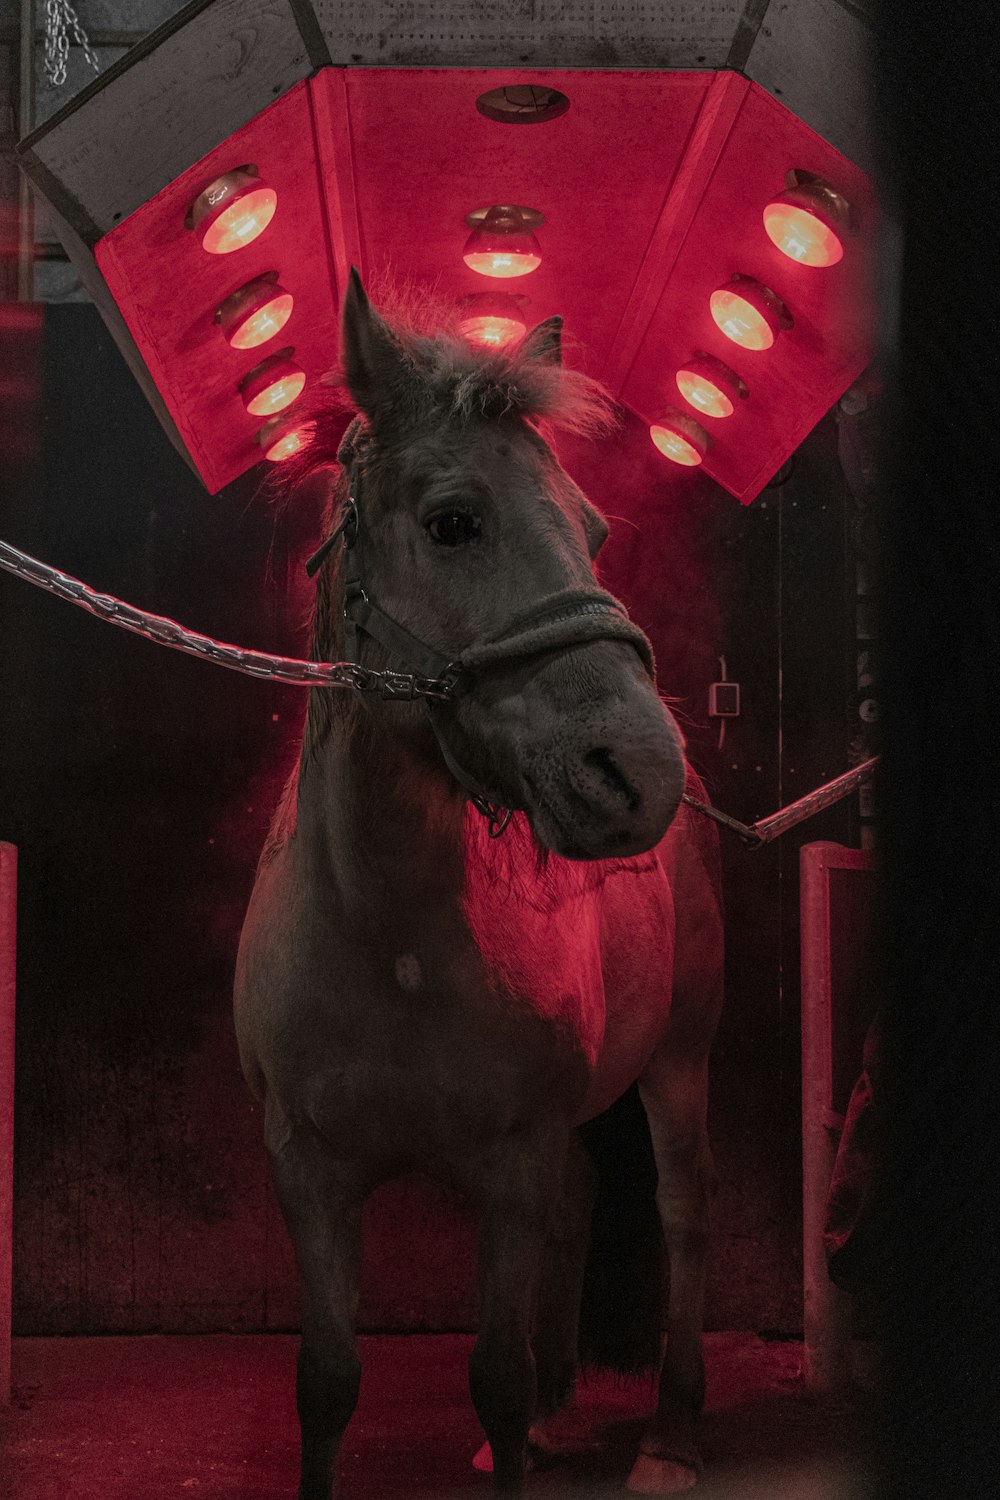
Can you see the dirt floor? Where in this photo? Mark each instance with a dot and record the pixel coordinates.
(214, 1417)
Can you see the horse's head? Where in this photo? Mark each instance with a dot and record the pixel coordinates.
(470, 533)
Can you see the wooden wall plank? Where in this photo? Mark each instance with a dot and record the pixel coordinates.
(532, 33)
(813, 57)
(168, 104)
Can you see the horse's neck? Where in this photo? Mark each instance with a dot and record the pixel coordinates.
(379, 811)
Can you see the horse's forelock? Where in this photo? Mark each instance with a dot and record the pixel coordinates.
(458, 380)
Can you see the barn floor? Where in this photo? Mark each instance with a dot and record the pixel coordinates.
(213, 1417)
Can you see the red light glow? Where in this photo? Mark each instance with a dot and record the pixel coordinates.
(680, 439)
(241, 221)
(491, 319)
(711, 387)
(263, 323)
(491, 331)
(289, 442)
(703, 394)
(502, 245)
(748, 313)
(255, 312)
(740, 321)
(277, 396)
(801, 236)
(272, 385)
(502, 263)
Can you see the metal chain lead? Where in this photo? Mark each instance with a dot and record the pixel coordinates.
(165, 632)
(59, 18)
(405, 685)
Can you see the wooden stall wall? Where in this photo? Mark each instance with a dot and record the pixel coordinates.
(138, 784)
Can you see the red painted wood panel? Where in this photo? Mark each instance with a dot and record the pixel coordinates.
(652, 186)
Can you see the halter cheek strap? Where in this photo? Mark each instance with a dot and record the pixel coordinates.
(567, 618)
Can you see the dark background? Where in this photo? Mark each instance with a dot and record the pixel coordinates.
(138, 784)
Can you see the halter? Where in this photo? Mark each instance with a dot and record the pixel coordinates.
(568, 617)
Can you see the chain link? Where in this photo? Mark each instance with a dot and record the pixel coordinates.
(165, 632)
(60, 18)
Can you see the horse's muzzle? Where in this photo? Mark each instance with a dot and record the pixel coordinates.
(610, 801)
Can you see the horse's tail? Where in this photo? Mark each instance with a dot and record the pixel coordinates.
(623, 1305)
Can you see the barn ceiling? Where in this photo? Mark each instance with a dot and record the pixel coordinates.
(363, 119)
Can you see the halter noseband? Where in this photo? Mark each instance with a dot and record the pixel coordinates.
(569, 617)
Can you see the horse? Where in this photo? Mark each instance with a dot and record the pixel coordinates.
(479, 917)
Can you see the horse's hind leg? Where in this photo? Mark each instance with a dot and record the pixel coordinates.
(674, 1091)
(322, 1210)
(516, 1187)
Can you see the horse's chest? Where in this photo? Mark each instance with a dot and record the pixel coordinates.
(545, 961)
(422, 1041)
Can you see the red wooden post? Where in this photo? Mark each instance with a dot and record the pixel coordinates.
(8, 928)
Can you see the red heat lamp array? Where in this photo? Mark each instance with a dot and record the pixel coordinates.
(805, 223)
(233, 211)
(707, 286)
(236, 208)
(502, 245)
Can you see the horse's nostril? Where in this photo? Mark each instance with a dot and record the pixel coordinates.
(602, 761)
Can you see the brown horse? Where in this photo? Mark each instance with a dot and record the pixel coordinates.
(416, 993)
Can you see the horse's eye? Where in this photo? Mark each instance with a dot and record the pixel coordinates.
(449, 528)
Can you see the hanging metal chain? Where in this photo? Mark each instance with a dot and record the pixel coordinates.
(165, 632)
(60, 19)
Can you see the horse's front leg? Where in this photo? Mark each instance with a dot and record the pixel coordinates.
(321, 1204)
(674, 1092)
(516, 1186)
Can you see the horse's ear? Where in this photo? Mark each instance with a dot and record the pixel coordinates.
(374, 362)
(544, 343)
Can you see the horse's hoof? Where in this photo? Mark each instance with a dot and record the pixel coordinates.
(660, 1476)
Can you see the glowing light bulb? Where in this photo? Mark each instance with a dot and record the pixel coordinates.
(255, 313)
(491, 331)
(680, 439)
(264, 323)
(492, 319)
(807, 222)
(241, 223)
(741, 322)
(502, 245)
(277, 396)
(711, 387)
(502, 263)
(289, 442)
(801, 236)
(748, 313)
(700, 391)
(272, 385)
(232, 211)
